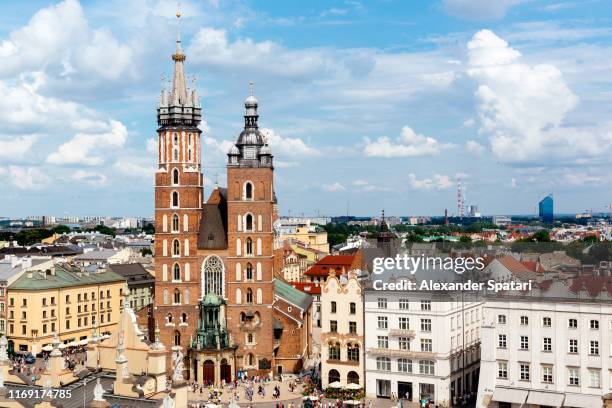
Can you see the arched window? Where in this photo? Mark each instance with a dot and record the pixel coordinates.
(184, 318)
(175, 176)
(250, 360)
(404, 365)
(238, 296)
(169, 318)
(165, 247)
(259, 223)
(248, 222)
(177, 338)
(187, 274)
(176, 247)
(175, 154)
(177, 297)
(212, 276)
(383, 363)
(165, 296)
(238, 272)
(259, 296)
(238, 246)
(175, 223)
(164, 272)
(186, 296)
(258, 271)
(176, 272)
(185, 222)
(175, 199)
(249, 271)
(352, 378)
(353, 352)
(186, 247)
(333, 376)
(249, 295)
(333, 351)
(258, 246)
(249, 246)
(248, 190)
(165, 223)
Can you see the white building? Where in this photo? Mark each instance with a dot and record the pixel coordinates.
(551, 348)
(421, 345)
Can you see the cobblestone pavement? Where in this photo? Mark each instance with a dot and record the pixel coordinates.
(258, 401)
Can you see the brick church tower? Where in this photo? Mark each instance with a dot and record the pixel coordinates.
(178, 208)
(250, 264)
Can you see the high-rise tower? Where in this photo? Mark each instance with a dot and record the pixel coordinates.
(251, 215)
(178, 204)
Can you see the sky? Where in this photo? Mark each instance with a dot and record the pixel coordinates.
(368, 105)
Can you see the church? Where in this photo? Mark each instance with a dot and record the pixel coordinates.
(220, 299)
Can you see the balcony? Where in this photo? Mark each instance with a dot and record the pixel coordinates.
(402, 333)
(401, 353)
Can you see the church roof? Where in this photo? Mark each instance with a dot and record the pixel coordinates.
(213, 224)
(292, 295)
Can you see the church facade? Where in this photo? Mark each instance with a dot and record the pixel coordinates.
(219, 299)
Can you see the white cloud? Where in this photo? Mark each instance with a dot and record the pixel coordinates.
(287, 146)
(479, 9)
(408, 144)
(580, 179)
(90, 177)
(135, 167)
(16, 147)
(513, 183)
(152, 145)
(89, 148)
(437, 181)
(473, 146)
(334, 187)
(26, 178)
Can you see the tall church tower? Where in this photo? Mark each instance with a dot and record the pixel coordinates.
(250, 274)
(178, 206)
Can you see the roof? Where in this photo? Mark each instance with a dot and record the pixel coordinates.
(52, 250)
(7, 270)
(288, 293)
(594, 285)
(312, 288)
(134, 273)
(65, 276)
(213, 223)
(331, 262)
(514, 266)
(97, 255)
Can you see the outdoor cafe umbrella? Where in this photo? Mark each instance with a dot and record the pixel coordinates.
(352, 402)
(83, 342)
(353, 386)
(335, 384)
(72, 344)
(48, 347)
(62, 346)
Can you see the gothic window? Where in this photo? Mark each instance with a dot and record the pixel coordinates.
(164, 272)
(212, 276)
(184, 318)
(165, 296)
(187, 274)
(248, 222)
(249, 295)
(259, 222)
(175, 155)
(238, 296)
(176, 247)
(248, 190)
(250, 360)
(177, 272)
(175, 223)
(177, 297)
(185, 222)
(186, 247)
(238, 247)
(175, 139)
(175, 199)
(165, 223)
(258, 246)
(177, 338)
(169, 318)
(189, 138)
(175, 176)
(249, 271)
(165, 247)
(186, 296)
(258, 271)
(238, 272)
(189, 155)
(259, 296)
(249, 246)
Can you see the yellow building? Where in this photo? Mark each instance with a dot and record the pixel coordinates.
(310, 235)
(64, 299)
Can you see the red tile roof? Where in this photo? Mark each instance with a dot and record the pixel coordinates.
(312, 288)
(594, 285)
(533, 266)
(338, 263)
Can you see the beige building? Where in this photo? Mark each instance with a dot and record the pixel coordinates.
(342, 332)
(65, 300)
(311, 236)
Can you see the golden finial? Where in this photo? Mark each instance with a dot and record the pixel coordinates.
(178, 10)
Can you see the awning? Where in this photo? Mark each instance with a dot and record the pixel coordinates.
(582, 401)
(510, 395)
(550, 399)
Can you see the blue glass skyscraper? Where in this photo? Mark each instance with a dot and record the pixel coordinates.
(546, 208)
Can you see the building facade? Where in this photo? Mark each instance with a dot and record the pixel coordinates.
(546, 208)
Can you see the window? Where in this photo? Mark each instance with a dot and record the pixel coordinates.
(175, 223)
(249, 246)
(403, 304)
(249, 295)
(352, 308)
(547, 374)
(426, 367)
(353, 352)
(573, 346)
(175, 199)
(333, 326)
(249, 271)
(524, 343)
(382, 303)
(502, 369)
(524, 371)
(248, 191)
(383, 342)
(594, 378)
(353, 327)
(594, 348)
(177, 338)
(213, 275)
(547, 344)
(404, 323)
(426, 325)
(546, 321)
(177, 296)
(333, 307)
(501, 319)
(382, 322)
(248, 222)
(184, 318)
(177, 272)
(176, 247)
(425, 304)
(572, 323)
(594, 324)
(501, 341)
(573, 375)
(426, 345)
(524, 320)
(404, 365)
(404, 343)
(334, 351)
(175, 176)
(383, 363)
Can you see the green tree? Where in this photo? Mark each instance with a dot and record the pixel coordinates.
(146, 251)
(61, 229)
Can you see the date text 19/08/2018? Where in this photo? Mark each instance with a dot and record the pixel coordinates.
(38, 393)
(429, 285)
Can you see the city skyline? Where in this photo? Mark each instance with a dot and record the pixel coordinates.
(451, 90)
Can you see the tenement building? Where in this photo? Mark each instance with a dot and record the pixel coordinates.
(548, 348)
(221, 246)
(422, 345)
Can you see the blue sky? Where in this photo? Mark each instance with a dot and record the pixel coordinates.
(370, 104)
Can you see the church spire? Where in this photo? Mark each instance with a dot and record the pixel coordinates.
(179, 84)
